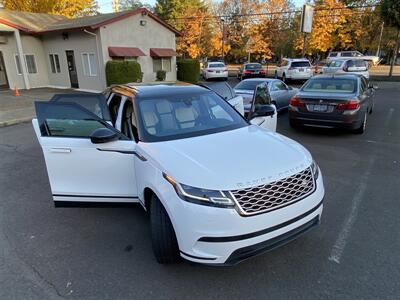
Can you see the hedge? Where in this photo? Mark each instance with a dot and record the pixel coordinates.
(188, 70)
(120, 72)
(161, 75)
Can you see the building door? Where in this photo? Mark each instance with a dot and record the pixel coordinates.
(73, 75)
(3, 74)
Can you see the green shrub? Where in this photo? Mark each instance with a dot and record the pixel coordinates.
(120, 72)
(188, 70)
(161, 75)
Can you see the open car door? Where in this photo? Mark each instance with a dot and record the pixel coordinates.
(262, 112)
(87, 160)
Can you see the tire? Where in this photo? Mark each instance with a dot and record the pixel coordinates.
(363, 126)
(165, 245)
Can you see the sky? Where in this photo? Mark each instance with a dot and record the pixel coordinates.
(106, 5)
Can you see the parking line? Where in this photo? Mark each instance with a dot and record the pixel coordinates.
(389, 117)
(340, 244)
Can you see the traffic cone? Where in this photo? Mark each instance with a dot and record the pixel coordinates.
(16, 92)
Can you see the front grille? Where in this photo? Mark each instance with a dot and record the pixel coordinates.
(262, 198)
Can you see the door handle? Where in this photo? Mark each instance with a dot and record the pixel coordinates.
(60, 150)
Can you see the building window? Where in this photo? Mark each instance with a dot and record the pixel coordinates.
(18, 65)
(55, 63)
(162, 64)
(89, 64)
(30, 64)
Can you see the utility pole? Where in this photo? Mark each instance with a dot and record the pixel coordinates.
(303, 52)
(378, 51)
(223, 39)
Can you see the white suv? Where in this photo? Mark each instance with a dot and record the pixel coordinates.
(295, 69)
(371, 59)
(181, 151)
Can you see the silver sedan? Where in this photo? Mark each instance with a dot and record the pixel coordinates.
(279, 91)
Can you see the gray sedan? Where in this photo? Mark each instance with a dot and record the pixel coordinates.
(342, 101)
(279, 91)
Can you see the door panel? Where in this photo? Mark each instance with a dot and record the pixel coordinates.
(78, 170)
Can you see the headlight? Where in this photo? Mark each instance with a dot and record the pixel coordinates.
(201, 196)
(315, 169)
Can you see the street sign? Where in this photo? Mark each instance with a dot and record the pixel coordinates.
(306, 18)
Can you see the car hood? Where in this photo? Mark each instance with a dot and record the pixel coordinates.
(229, 160)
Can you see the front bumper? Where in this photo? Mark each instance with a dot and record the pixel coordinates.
(218, 236)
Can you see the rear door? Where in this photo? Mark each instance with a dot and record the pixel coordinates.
(80, 171)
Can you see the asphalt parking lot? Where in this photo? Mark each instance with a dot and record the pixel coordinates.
(105, 253)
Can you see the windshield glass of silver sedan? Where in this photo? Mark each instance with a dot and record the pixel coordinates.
(330, 85)
(182, 116)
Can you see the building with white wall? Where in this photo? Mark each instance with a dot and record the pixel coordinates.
(65, 53)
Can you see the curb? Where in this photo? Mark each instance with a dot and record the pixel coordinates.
(15, 121)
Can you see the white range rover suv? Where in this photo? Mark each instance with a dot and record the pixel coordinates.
(182, 152)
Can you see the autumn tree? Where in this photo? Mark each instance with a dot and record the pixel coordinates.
(68, 8)
(133, 4)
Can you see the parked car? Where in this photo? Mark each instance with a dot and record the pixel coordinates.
(294, 69)
(251, 70)
(347, 66)
(279, 91)
(181, 152)
(215, 70)
(342, 101)
(227, 93)
(371, 59)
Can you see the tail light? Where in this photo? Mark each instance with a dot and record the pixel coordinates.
(247, 72)
(296, 102)
(291, 69)
(209, 70)
(262, 71)
(349, 105)
(225, 69)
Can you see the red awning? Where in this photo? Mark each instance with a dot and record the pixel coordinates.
(162, 52)
(125, 52)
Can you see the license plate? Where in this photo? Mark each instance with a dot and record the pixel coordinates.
(256, 72)
(301, 70)
(320, 107)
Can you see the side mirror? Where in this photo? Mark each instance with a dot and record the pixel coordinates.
(103, 135)
(262, 111)
(373, 86)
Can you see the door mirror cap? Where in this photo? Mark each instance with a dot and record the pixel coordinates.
(103, 135)
(262, 111)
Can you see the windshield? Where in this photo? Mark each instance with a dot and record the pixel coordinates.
(216, 65)
(336, 63)
(253, 67)
(248, 84)
(183, 116)
(330, 85)
(300, 64)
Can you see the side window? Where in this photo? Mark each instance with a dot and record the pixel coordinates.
(261, 96)
(67, 120)
(364, 85)
(113, 106)
(128, 121)
(280, 86)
